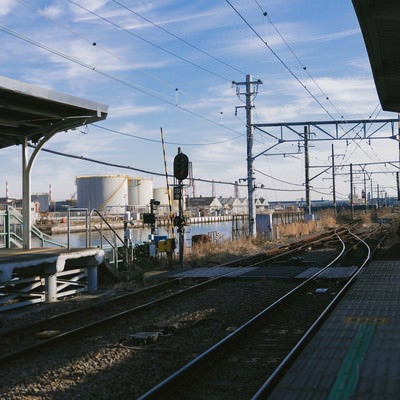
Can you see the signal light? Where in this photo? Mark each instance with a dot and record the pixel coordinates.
(181, 166)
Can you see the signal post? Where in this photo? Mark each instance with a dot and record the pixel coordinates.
(181, 172)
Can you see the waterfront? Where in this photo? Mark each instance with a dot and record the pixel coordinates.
(140, 235)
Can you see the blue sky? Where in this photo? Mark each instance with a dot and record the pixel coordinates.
(169, 64)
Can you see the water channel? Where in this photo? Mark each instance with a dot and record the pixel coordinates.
(222, 230)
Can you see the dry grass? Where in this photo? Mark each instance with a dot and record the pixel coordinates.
(208, 254)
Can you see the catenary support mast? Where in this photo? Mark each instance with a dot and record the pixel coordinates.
(251, 90)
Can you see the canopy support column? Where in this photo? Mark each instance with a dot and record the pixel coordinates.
(27, 163)
(26, 196)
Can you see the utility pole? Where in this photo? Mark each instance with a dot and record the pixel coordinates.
(371, 195)
(334, 181)
(250, 92)
(398, 185)
(378, 196)
(365, 195)
(351, 192)
(397, 173)
(307, 170)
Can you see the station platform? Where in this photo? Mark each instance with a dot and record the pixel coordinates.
(46, 274)
(356, 352)
(54, 258)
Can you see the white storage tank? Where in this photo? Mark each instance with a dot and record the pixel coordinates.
(140, 191)
(161, 195)
(104, 193)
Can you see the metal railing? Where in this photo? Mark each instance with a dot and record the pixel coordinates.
(117, 252)
(11, 229)
(121, 253)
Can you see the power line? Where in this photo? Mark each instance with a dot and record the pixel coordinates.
(277, 179)
(265, 13)
(109, 76)
(178, 37)
(281, 60)
(305, 69)
(158, 141)
(107, 51)
(114, 165)
(149, 41)
(97, 45)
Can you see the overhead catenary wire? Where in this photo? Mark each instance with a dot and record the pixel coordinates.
(168, 142)
(112, 54)
(179, 38)
(277, 179)
(171, 53)
(145, 171)
(128, 167)
(305, 69)
(187, 144)
(266, 14)
(96, 44)
(109, 76)
(265, 43)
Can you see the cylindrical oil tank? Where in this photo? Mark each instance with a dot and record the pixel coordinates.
(161, 195)
(105, 193)
(140, 191)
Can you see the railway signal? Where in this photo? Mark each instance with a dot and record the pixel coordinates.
(181, 166)
(181, 172)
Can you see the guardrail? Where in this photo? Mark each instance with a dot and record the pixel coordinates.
(11, 228)
(117, 252)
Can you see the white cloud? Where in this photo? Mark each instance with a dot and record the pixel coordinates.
(138, 81)
(53, 11)
(91, 5)
(7, 6)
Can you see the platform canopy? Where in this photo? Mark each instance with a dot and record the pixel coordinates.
(31, 115)
(31, 112)
(380, 25)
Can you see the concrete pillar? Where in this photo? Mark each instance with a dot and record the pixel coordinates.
(92, 278)
(51, 288)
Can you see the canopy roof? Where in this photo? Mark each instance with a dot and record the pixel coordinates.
(32, 112)
(380, 26)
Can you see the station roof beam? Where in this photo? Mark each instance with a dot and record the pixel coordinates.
(30, 116)
(380, 25)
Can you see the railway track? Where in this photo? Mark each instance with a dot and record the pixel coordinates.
(190, 329)
(31, 337)
(35, 336)
(237, 366)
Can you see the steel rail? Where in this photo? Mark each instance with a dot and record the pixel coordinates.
(272, 380)
(136, 293)
(91, 325)
(285, 250)
(159, 391)
(122, 314)
(114, 300)
(88, 326)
